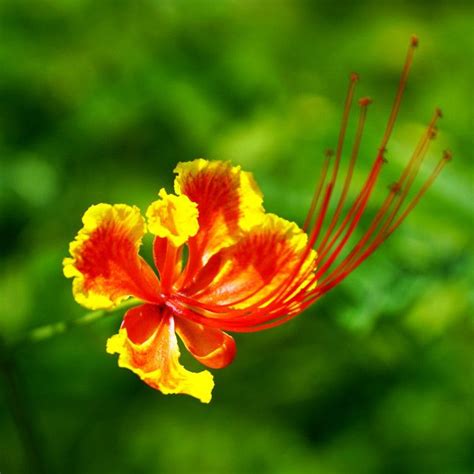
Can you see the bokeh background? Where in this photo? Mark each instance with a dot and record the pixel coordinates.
(100, 100)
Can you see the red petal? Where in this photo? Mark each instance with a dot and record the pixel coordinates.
(212, 347)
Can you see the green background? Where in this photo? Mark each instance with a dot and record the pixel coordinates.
(98, 102)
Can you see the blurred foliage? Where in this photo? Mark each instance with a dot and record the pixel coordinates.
(100, 100)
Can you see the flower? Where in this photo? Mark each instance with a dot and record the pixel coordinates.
(245, 270)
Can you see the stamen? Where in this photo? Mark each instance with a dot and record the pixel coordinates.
(318, 188)
(396, 196)
(398, 98)
(340, 144)
(334, 281)
(446, 158)
(330, 186)
(363, 103)
(366, 192)
(297, 291)
(410, 172)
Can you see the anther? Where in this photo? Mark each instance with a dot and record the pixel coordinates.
(447, 155)
(354, 77)
(432, 133)
(365, 101)
(395, 188)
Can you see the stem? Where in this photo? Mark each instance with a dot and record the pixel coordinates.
(50, 330)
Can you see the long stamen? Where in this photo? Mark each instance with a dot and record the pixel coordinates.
(364, 103)
(408, 172)
(411, 170)
(317, 191)
(394, 113)
(353, 224)
(325, 288)
(297, 291)
(340, 144)
(447, 157)
(398, 98)
(382, 148)
(329, 187)
(360, 209)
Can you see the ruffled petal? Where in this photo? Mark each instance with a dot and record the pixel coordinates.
(147, 345)
(173, 217)
(270, 260)
(104, 261)
(212, 347)
(228, 201)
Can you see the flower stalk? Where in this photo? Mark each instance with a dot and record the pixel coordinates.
(48, 331)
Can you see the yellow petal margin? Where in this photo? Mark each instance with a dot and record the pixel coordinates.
(248, 196)
(228, 199)
(156, 362)
(173, 217)
(104, 260)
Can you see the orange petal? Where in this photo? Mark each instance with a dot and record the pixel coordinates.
(147, 345)
(264, 260)
(212, 347)
(105, 264)
(228, 201)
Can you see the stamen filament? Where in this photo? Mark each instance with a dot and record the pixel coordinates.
(364, 103)
(398, 98)
(318, 188)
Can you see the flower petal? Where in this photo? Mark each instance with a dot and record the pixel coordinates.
(212, 347)
(147, 345)
(267, 259)
(228, 201)
(105, 264)
(173, 217)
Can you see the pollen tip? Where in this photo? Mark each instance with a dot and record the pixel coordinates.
(354, 76)
(365, 101)
(433, 133)
(395, 187)
(414, 41)
(447, 155)
(439, 112)
(329, 153)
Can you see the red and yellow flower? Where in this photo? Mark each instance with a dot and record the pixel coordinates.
(245, 270)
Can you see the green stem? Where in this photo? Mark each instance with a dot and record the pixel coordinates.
(50, 330)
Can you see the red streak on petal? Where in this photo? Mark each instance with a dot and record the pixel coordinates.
(109, 261)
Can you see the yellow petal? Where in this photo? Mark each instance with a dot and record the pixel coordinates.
(156, 359)
(173, 217)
